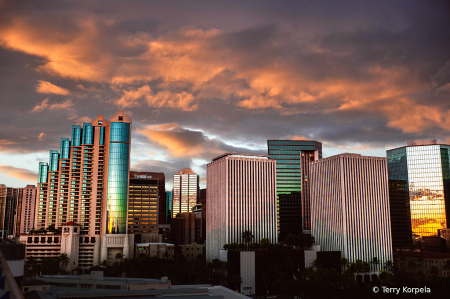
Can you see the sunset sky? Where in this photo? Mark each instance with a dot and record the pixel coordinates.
(200, 78)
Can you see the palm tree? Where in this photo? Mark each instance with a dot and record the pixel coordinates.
(375, 262)
(64, 259)
(344, 263)
(247, 236)
(119, 256)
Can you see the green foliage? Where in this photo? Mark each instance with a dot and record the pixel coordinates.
(301, 241)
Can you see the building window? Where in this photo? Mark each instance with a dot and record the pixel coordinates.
(100, 122)
(121, 118)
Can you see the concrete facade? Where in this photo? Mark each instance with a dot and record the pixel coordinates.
(241, 196)
(350, 207)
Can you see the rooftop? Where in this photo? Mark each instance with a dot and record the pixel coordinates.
(71, 223)
(241, 155)
(186, 171)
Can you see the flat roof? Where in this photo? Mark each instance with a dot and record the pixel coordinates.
(241, 154)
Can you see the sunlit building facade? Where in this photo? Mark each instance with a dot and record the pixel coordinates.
(26, 220)
(423, 168)
(241, 196)
(86, 181)
(143, 208)
(293, 203)
(350, 207)
(185, 191)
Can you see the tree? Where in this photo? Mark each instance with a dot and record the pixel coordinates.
(375, 262)
(301, 241)
(265, 243)
(119, 256)
(64, 259)
(247, 236)
(344, 263)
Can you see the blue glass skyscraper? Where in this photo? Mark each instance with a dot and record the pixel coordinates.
(118, 173)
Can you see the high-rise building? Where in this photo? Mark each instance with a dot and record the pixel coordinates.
(143, 204)
(185, 191)
(241, 196)
(168, 206)
(161, 191)
(293, 204)
(9, 198)
(350, 207)
(419, 180)
(26, 220)
(87, 180)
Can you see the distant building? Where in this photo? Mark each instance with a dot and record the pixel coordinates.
(143, 204)
(185, 229)
(421, 171)
(293, 157)
(161, 190)
(28, 209)
(241, 196)
(185, 191)
(9, 199)
(160, 250)
(203, 207)
(429, 263)
(168, 206)
(350, 207)
(192, 251)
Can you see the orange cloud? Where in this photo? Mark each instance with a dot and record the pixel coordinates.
(165, 98)
(44, 105)
(177, 141)
(47, 87)
(41, 136)
(19, 173)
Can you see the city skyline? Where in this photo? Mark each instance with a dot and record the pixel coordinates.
(203, 78)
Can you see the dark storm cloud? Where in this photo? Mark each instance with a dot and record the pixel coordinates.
(208, 76)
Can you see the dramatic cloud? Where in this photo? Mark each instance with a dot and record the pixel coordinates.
(201, 78)
(44, 105)
(19, 173)
(47, 87)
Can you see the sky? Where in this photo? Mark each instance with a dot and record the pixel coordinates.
(200, 78)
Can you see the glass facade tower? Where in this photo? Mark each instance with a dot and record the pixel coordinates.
(293, 208)
(118, 174)
(421, 169)
(87, 180)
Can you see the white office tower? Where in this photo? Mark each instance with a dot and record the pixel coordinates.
(350, 207)
(241, 196)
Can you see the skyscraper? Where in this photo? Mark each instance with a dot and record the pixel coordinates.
(293, 204)
(28, 209)
(185, 191)
(143, 208)
(419, 179)
(87, 180)
(9, 198)
(350, 207)
(241, 196)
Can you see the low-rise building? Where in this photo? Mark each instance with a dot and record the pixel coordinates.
(160, 250)
(96, 281)
(429, 263)
(35, 285)
(192, 251)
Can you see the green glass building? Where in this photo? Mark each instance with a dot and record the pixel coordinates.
(293, 205)
(419, 187)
